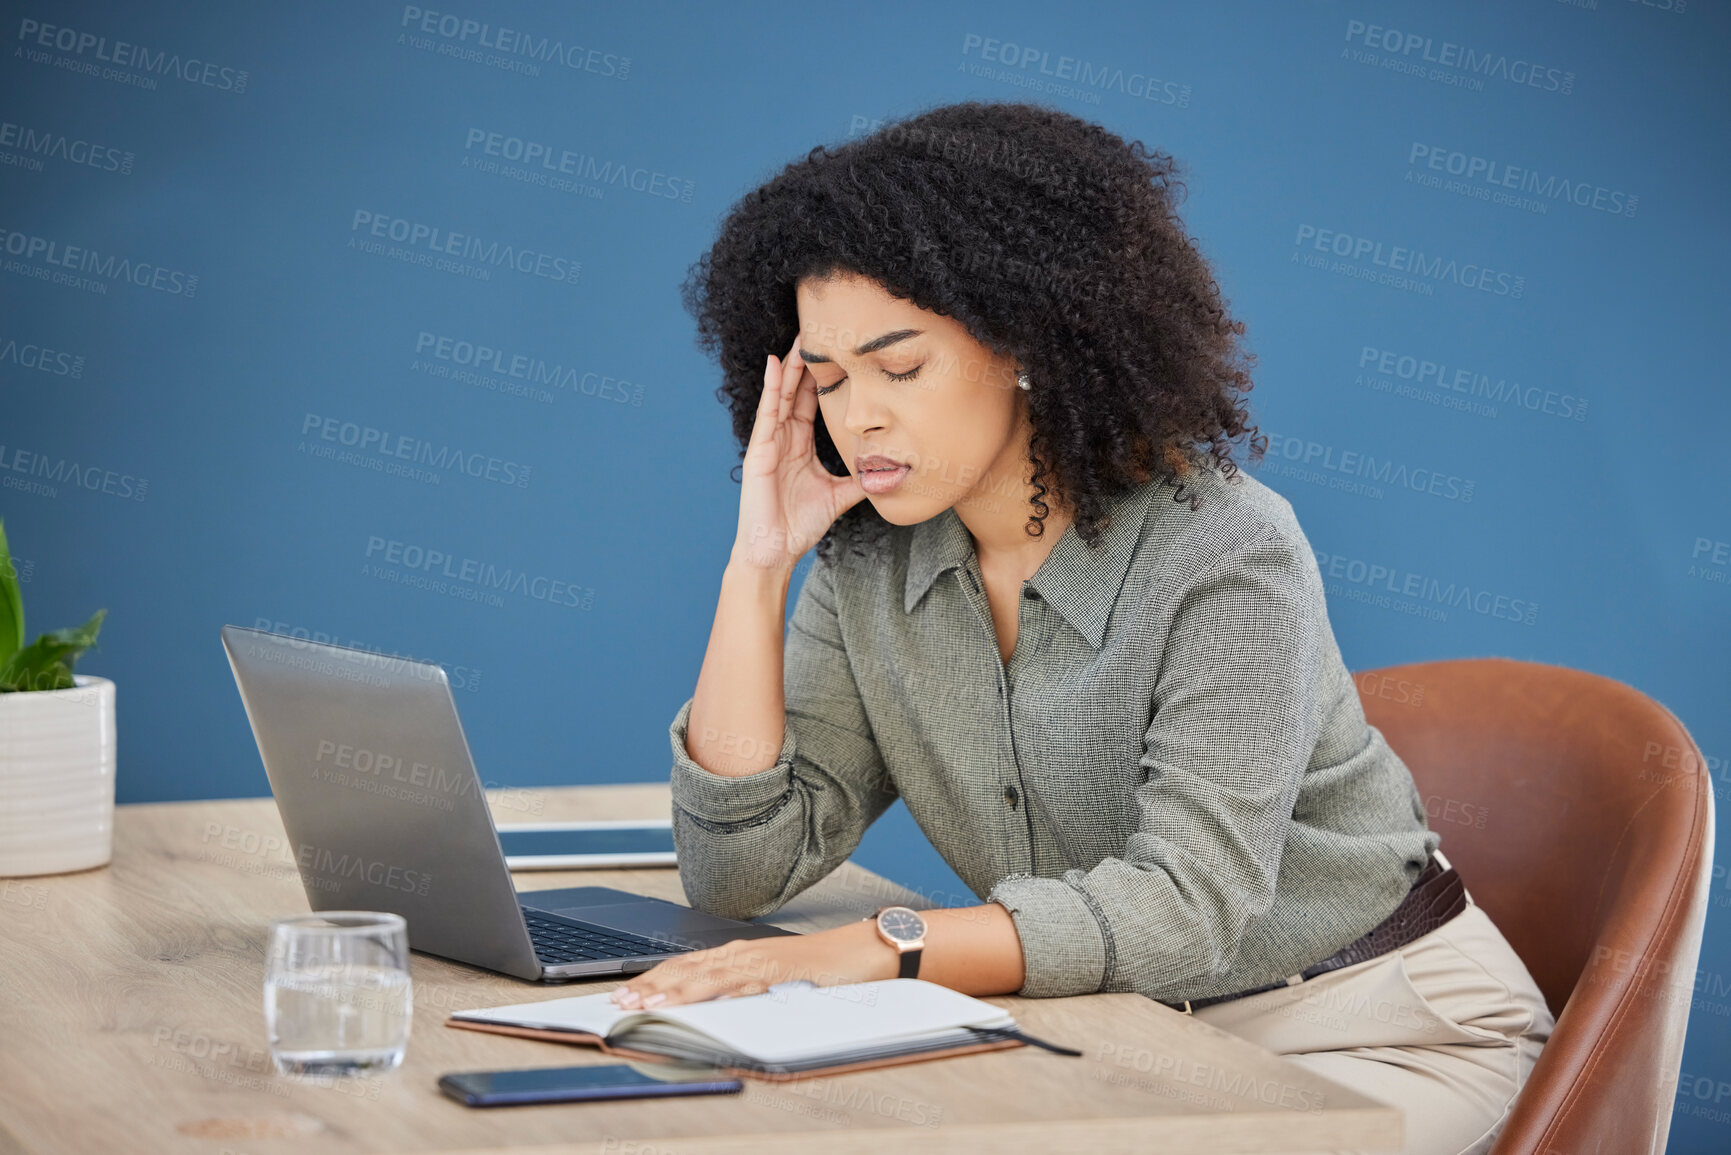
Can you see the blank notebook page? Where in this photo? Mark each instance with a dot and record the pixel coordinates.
(796, 1022)
(789, 1023)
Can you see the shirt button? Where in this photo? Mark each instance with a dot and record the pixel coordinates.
(1011, 796)
(1031, 593)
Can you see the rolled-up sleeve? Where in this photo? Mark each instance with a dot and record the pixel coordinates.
(1235, 718)
(748, 844)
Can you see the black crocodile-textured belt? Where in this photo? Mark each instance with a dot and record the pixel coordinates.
(1435, 898)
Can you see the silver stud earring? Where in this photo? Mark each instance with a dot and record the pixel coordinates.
(1022, 379)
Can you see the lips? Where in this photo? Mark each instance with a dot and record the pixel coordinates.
(880, 474)
(877, 461)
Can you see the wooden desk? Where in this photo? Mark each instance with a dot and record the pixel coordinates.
(131, 1021)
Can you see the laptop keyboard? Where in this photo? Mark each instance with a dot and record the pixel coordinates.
(561, 941)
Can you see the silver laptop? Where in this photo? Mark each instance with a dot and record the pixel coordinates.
(384, 811)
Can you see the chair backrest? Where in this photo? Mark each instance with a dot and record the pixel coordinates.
(1580, 815)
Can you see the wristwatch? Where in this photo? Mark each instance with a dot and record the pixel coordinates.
(903, 928)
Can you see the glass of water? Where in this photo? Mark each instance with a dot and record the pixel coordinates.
(337, 998)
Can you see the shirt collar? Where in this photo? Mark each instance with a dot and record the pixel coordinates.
(1080, 582)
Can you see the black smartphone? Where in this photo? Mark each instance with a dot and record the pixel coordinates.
(570, 1085)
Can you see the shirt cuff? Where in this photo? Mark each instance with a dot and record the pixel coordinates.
(1063, 944)
(726, 801)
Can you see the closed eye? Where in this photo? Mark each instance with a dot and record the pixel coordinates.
(908, 376)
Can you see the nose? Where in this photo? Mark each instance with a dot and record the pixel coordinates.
(865, 412)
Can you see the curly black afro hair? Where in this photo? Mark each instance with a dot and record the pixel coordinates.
(1051, 240)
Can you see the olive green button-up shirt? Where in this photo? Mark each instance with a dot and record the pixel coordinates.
(1171, 787)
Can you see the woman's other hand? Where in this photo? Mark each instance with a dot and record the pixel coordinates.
(972, 949)
(847, 954)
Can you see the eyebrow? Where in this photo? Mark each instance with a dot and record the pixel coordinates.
(871, 346)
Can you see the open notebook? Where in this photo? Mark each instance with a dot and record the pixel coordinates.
(793, 1029)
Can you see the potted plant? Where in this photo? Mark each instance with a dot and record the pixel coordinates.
(56, 745)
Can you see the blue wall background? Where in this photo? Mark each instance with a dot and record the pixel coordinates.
(227, 242)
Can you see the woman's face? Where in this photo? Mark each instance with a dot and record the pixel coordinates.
(913, 387)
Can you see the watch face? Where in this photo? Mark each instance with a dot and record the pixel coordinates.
(902, 924)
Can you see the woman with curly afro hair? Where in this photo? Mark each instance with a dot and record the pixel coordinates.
(975, 359)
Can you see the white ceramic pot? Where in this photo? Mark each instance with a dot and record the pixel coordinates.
(57, 778)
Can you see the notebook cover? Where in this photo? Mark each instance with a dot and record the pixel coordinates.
(578, 1038)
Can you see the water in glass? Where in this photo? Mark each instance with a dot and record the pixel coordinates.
(337, 995)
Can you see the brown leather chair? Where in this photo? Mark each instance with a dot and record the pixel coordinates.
(1579, 813)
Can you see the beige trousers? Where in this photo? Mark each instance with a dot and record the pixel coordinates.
(1447, 1028)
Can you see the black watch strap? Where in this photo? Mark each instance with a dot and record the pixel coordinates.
(910, 964)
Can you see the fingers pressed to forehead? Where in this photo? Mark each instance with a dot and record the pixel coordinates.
(768, 402)
(805, 395)
(791, 369)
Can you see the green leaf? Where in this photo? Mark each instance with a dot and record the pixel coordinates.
(11, 603)
(46, 663)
